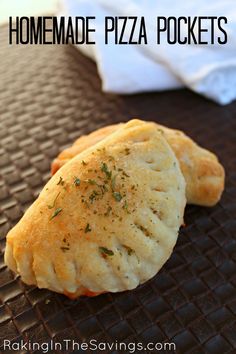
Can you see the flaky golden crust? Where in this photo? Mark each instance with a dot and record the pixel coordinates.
(202, 171)
(84, 142)
(107, 220)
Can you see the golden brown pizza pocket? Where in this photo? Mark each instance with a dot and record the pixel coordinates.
(107, 220)
(202, 171)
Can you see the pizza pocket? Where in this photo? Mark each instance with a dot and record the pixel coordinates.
(107, 220)
(203, 173)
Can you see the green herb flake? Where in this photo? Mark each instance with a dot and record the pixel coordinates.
(104, 168)
(56, 212)
(77, 181)
(93, 196)
(117, 196)
(109, 209)
(126, 207)
(64, 249)
(129, 250)
(54, 202)
(91, 181)
(106, 252)
(60, 182)
(87, 228)
(104, 188)
(113, 182)
(125, 174)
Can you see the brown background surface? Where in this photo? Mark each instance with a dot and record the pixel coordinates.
(50, 95)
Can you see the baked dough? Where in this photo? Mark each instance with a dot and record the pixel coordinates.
(202, 171)
(82, 143)
(107, 220)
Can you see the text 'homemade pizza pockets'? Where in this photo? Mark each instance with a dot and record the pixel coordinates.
(203, 173)
(107, 220)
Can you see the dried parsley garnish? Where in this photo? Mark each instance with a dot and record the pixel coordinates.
(129, 250)
(93, 196)
(56, 212)
(126, 207)
(104, 168)
(125, 174)
(61, 181)
(117, 196)
(91, 181)
(54, 202)
(63, 248)
(77, 181)
(87, 228)
(109, 209)
(113, 182)
(106, 252)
